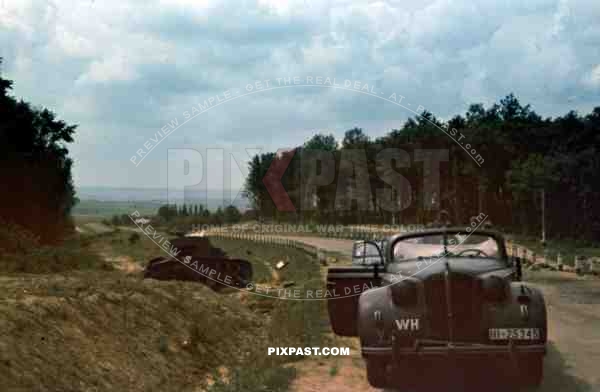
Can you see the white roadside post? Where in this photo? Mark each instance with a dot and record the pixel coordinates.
(578, 265)
(590, 266)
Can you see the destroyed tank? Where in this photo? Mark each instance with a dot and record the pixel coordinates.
(197, 260)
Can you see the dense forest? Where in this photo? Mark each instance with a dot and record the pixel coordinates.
(38, 191)
(516, 164)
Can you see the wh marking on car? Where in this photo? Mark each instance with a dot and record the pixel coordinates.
(447, 308)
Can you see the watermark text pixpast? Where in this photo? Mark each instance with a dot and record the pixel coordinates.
(335, 351)
(316, 169)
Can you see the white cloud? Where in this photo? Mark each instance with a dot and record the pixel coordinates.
(122, 68)
(593, 78)
(112, 69)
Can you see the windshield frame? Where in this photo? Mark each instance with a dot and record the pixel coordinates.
(447, 233)
(379, 245)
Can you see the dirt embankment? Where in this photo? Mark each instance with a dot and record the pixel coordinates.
(104, 331)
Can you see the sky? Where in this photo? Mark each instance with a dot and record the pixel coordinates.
(123, 70)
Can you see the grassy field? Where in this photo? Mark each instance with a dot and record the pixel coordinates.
(106, 209)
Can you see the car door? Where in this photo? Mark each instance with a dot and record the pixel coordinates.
(344, 287)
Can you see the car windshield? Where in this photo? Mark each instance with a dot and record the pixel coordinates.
(446, 245)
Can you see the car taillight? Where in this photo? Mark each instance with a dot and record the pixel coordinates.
(494, 289)
(405, 293)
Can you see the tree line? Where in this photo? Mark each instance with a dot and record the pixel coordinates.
(505, 161)
(197, 214)
(38, 192)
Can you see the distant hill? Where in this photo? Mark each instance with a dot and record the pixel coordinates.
(158, 195)
(107, 201)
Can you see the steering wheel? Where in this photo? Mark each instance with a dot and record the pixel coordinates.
(477, 252)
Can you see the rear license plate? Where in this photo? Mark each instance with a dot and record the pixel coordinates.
(514, 333)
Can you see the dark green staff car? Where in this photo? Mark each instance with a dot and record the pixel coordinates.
(442, 308)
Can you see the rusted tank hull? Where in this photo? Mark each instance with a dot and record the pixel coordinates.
(198, 261)
(215, 272)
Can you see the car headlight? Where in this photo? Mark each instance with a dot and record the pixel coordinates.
(494, 288)
(405, 293)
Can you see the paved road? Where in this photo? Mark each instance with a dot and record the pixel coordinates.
(331, 244)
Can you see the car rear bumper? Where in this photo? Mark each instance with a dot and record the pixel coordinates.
(476, 368)
(454, 350)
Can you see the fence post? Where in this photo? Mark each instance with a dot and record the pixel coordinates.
(559, 264)
(578, 265)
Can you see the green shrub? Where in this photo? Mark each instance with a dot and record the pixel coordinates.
(134, 238)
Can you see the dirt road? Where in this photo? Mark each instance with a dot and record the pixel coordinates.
(574, 331)
(573, 359)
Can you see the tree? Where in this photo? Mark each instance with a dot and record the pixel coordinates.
(164, 212)
(33, 147)
(254, 187)
(125, 219)
(321, 142)
(231, 214)
(218, 217)
(355, 138)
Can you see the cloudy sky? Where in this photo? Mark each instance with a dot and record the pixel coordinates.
(123, 69)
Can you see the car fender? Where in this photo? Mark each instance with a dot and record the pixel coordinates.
(525, 308)
(377, 315)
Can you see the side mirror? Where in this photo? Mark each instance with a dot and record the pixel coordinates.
(517, 268)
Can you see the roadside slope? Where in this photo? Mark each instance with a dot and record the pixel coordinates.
(91, 331)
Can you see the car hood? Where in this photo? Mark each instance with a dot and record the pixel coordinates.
(460, 265)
